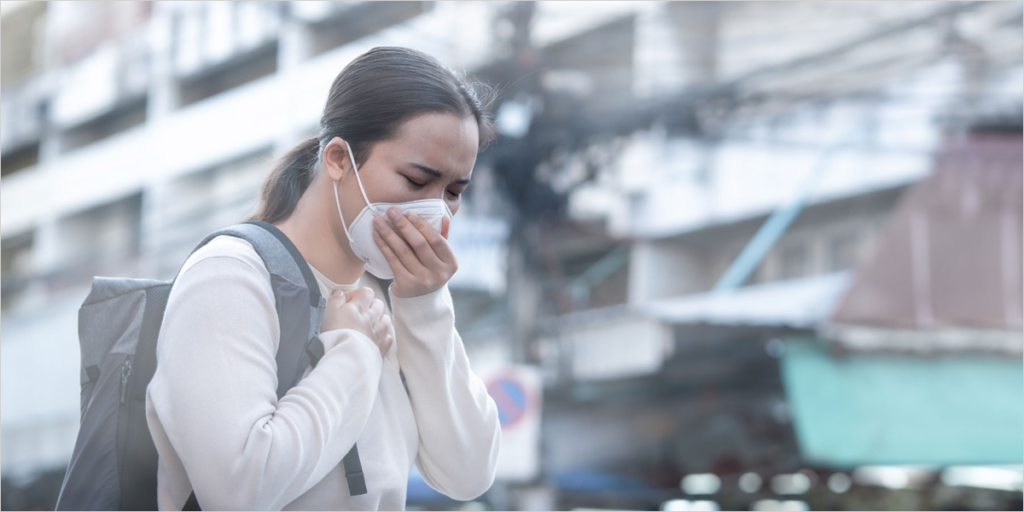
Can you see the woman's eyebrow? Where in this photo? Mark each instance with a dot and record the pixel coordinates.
(437, 174)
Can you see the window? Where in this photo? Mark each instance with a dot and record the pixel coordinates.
(842, 251)
(361, 20)
(103, 240)
(794, 260)
(20, 158)
(14, 266)
(239, 70)
(128, 115)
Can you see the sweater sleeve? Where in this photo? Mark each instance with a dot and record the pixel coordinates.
(457, 419)
(214, 391)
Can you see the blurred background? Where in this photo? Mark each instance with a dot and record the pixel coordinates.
(723, 256)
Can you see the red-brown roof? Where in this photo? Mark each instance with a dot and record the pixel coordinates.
(950, 254)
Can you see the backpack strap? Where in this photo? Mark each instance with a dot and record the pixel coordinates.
(293, 282)
(295, 288)
(281, 257)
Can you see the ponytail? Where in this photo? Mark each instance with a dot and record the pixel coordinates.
(287, 182)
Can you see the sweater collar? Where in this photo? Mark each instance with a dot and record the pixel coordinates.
(331, 285)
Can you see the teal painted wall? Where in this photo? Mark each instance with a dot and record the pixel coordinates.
(902, 410)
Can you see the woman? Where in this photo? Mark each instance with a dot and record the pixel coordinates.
(398, 127)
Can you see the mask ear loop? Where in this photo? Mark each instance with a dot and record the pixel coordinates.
(352, 158)
(344, 225)
(337, 201)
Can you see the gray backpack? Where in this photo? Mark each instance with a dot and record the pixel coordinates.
(114, 463)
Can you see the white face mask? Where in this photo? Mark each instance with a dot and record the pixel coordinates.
(360, 233)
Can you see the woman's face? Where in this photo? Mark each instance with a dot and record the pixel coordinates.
(432, 156)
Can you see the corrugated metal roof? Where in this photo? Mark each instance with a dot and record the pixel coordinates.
(802, 303)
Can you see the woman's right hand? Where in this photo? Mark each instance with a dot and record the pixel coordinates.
(360, 311)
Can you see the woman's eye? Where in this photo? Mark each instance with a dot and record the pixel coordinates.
(418, 185)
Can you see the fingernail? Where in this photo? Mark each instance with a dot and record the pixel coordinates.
(393, 213)
(413, 217)
(378, 221)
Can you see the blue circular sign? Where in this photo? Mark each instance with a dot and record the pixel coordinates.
(510, 397)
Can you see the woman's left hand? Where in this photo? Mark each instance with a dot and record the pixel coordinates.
(424, 263)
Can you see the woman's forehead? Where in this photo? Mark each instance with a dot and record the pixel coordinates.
(439, 141)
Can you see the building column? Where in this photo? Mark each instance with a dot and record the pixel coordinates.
(295, 46)
(164, 91)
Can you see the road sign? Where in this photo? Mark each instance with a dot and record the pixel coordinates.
(510, 397)
(516, 390)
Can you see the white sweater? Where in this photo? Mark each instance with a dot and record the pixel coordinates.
(217, 424)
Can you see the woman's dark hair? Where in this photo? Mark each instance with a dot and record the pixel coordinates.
(369, 100)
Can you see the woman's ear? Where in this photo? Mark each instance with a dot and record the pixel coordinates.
(336, 159)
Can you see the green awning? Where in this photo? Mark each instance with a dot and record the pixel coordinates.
(904, 410)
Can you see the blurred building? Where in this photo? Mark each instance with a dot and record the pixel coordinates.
(721, 177)
(723, 207)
